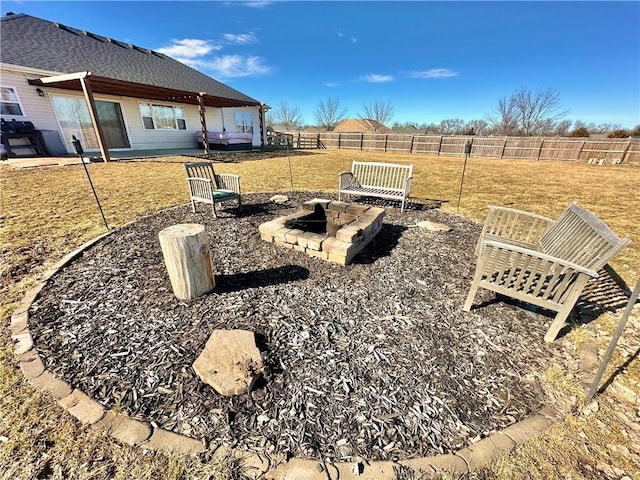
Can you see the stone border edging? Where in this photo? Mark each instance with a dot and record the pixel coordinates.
(138, 433)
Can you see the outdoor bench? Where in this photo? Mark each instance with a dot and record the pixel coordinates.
(542, 261)
(374, 179)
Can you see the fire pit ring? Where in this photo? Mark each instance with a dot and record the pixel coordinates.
(327, 229)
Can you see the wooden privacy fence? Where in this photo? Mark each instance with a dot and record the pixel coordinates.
(600, 151)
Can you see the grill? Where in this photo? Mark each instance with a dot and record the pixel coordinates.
(22, 139)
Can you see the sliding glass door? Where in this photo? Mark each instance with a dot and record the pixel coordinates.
(73, 116)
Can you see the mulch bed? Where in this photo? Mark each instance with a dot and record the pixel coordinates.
(375, 359)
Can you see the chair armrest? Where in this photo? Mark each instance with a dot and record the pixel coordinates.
(200, 188)
(229, 181)
(523, 257)
(407, 186)
(345, 179)
(515, 226)
(195, 180)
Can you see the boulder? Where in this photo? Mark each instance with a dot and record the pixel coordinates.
(230, 362)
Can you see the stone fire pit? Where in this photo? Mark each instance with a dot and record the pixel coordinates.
(326, 229)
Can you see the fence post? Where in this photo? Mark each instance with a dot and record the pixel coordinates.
(361, 141)
(504, 147)
(339, 137)
(411, 146)
(440, 145)
(386, 135)
(580, 150)
(540, 149)
(624, 154)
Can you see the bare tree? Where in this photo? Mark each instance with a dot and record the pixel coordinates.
(287, 116)
(431, 128)
(380, 112)
(476, 127)
(563, 127)
(604, 127)
(328, 114)
(527, 113)
(502, 119)
(538, 112)
(452, 126)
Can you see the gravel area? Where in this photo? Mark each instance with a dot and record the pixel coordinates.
(375, 359)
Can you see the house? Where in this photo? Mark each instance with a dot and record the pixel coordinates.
(111, 95)
(361, 125)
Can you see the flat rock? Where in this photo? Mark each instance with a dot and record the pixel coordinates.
(433, 226)
(230, 362)
(279, 199)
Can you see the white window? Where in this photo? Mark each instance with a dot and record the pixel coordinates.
(162, 117)
(244, 123)
(9, 102)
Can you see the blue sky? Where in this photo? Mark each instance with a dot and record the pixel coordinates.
(429, 60)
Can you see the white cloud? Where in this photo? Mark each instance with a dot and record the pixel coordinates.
(240, 39)
(434, 73)
(377, 78)
(199, 54)
(341, 35)
(233, 66)
(259, 4)
(332, 84)
(188, 48)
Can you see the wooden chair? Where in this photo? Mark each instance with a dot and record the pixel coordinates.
(206, 186)
(542, 261)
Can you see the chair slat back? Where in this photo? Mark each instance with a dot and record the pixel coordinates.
(502, 223)
(201, 170)
(582, 238)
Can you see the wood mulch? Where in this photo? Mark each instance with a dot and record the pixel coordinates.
(375, 359)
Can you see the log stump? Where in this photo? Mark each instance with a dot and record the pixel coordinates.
(188, 260)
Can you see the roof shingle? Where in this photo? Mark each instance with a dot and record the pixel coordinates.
(36, 43)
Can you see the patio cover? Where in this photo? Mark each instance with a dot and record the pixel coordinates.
(89, 84)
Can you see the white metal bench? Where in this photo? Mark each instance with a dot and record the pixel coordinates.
(206, 186)
(542, 261)
(374, 179)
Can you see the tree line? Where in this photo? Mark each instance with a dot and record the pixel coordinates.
(523, 113)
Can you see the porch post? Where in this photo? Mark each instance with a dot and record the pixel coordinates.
(203, 122)
(261, 126)
(93, 113)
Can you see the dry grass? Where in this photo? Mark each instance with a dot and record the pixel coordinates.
(47, 212)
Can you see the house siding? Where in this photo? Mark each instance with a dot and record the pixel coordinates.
(40, 111)
(36, 109)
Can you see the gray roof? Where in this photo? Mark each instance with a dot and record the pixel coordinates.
(33, 42)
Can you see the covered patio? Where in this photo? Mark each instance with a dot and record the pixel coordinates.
(115, 155)
(89, 84)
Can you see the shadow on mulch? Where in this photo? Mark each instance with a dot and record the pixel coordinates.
(260, 209)
(608, 293)
(260, 278)
(412, 204)
(382, 245)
